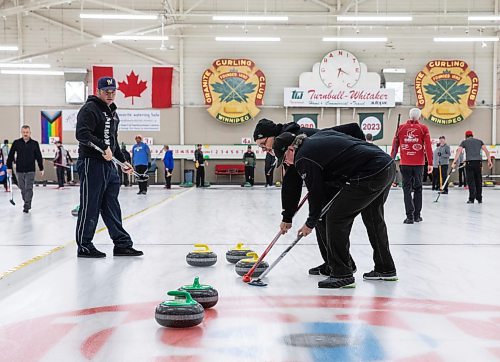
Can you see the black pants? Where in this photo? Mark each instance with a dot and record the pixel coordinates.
(168, 179)
(68, 173)
(435, 178)
(124, 177)
(425, 175)
(367, 196)
(412, 182)
(462, 177)
(5, 183)
(60, 171)
(99, 188)
(249, 174)
(143, 185)
(200, 176)
(474, 180)
(269, 176)
(443, 176)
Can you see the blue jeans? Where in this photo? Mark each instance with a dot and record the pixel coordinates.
(99, 188)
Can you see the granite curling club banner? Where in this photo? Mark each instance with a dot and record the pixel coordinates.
(446, 91)
(233, 88)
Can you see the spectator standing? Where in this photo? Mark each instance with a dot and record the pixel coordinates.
(168, 162)
(141, 158)
(24, 152)
(125, 177)
(473, 165)
(414, 140)
(270, 164)
(61, 161)
(199, 164)
(462, 177)
(444, 153)
(249, 160)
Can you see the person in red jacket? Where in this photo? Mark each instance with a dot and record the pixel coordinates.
(414, 141)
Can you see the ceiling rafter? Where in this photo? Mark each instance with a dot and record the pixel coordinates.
(34, 6)
(94, 40)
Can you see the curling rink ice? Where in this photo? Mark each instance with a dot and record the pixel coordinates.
(56, 307)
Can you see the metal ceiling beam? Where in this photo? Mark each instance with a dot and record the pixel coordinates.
(34, 6)
(86, 34)
(115, 6)
(330, 8)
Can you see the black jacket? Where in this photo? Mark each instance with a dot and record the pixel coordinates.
(270, 163)
(97, 123)
(126, 155)
(27, 154)
(198, 156)
(292, 182)
(333, 157)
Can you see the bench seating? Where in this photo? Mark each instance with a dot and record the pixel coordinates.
(229, 170)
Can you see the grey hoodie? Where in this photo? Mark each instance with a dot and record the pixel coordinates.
(443, 153)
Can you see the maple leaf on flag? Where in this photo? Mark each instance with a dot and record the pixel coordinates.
(132, 87)
(446, 90)
(233, 88)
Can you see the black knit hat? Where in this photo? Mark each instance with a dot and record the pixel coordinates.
(281, 144)
(265, 128)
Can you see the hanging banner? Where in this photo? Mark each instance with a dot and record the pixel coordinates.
(233, 88)
(372, 123)
(307, 120)
(51, 126)
(446, 91)
(130, 119)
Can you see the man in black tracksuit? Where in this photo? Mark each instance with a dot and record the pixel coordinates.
(249, 160)
(269, 165)
(199, 162)
(97, 124)
(24, 152)
(265, 133)
(365, 174)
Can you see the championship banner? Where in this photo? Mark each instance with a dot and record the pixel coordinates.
(233, 88)
(51, 126)
(372, 123)
(446, 91)
(307, 120)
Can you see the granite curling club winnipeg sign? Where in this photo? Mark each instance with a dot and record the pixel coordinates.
(446, 91)
(233, 88)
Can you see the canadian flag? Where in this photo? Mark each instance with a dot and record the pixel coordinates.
(138, 86)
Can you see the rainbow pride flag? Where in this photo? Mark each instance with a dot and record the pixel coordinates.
(51, 125)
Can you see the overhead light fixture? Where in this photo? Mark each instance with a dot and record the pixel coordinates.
(119, 16)
(374, 18)
(31, 72)
(394, 70)
(25, 65)
(484, 18)
(134, 37)
(467, 39)
(248, 18)
(246, 38)
(75, 71)
(355, 39)
(9, 48)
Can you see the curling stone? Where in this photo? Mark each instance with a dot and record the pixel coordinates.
(201, 257)
(236, 254)
(202, 293)
(278, 184)
(244, 265)
(182, 312)
(74, 212)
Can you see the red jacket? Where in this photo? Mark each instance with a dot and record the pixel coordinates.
(413, 138)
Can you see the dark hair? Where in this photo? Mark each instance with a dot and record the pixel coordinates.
(5, 141)
(368, 136)
(442, 137)
(198, 145)
(25, 126)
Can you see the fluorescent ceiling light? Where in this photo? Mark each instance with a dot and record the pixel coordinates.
(119, 16)
(374, 18)
(31, 72)
(355, 39)
(25, 65)
(75, 70)
(394, 70)
(467, 39)
(246, 38)
(248, 18)
(11, 48)
(134, 37)
(484, 18)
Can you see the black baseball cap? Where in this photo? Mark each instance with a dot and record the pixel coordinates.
(106, 83)
(265, 128)
(281, 144)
